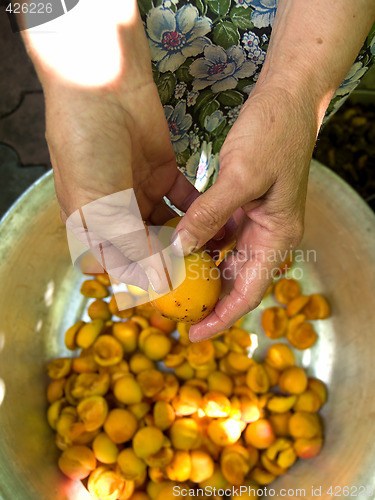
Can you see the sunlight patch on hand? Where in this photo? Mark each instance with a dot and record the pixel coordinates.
(82, 46)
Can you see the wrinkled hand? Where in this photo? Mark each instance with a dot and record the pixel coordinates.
(262, 184)
(102, 142)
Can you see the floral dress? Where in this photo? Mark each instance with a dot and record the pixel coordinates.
(206, 58)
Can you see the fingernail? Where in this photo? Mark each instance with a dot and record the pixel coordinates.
(153, 278)
(219, 235)
(183, 242)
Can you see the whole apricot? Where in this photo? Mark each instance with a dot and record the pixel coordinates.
(196, 296)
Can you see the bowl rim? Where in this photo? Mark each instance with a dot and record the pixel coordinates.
(323, 170)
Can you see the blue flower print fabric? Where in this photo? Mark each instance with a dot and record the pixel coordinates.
(206, 58)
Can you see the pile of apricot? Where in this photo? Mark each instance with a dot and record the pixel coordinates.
(141, 409)
(291, 318)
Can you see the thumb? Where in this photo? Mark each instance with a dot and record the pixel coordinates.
(207, 215)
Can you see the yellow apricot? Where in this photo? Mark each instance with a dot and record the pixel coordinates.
(107, 351)
(271, 466)
(224, 431)
(69, 384)
(169, 390)
(167, 491)
(215, 404)
(286, 290)
(105, 484)
(281, 404)
(165, 324)
(319, 388)
(183, 330)
(280, 356)
(317, 307)
(257, 379)
(184, 434)
(93, 289)
(281, 453)
(301, 334)
(272, 373)
(104, 449)
(71, 334)
(262, 476)
(122, 305)
(196, 296)
(140, 410)
(93, 412)
(164, 415)
(141, 321)
(128, 488)
(126, 332)
(175, 357)
(199, 383)
(59, 368)
(274, 322)
(199, 353)
(259, 434)
(304, 425)
(67, 418)
(220, 348)
(203, 371)
(120, 425)
(308, 448)
(153, 487)
(280, 423)
(103, 278)
(239, 362)
(144, 311)
(99, 310)
(184, 371)
(157, 346)
(239, 379)
(179, 468)
(249, 409)
(147, 441)
(216, 480)
(55, 390)
(77, 434)
(85, 362)
(139, 362)
(202, 466)
(218, 381)
(88, 333)
(128, 391)
(140, 495)
(307, 401)
(90, 384)
(237, 337)
(77, 462)
(131, 466)
(150, 382)
(297, 305)
(160, 459)
(146, 332)
(187, 401)
(235, 463)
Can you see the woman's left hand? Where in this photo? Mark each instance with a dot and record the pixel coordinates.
(264, 165)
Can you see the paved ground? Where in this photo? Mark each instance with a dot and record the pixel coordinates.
(23, 149)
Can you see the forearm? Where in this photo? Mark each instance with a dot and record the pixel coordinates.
(95, 46)
(313, 45)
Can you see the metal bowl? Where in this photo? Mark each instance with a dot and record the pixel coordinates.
(40, 299)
